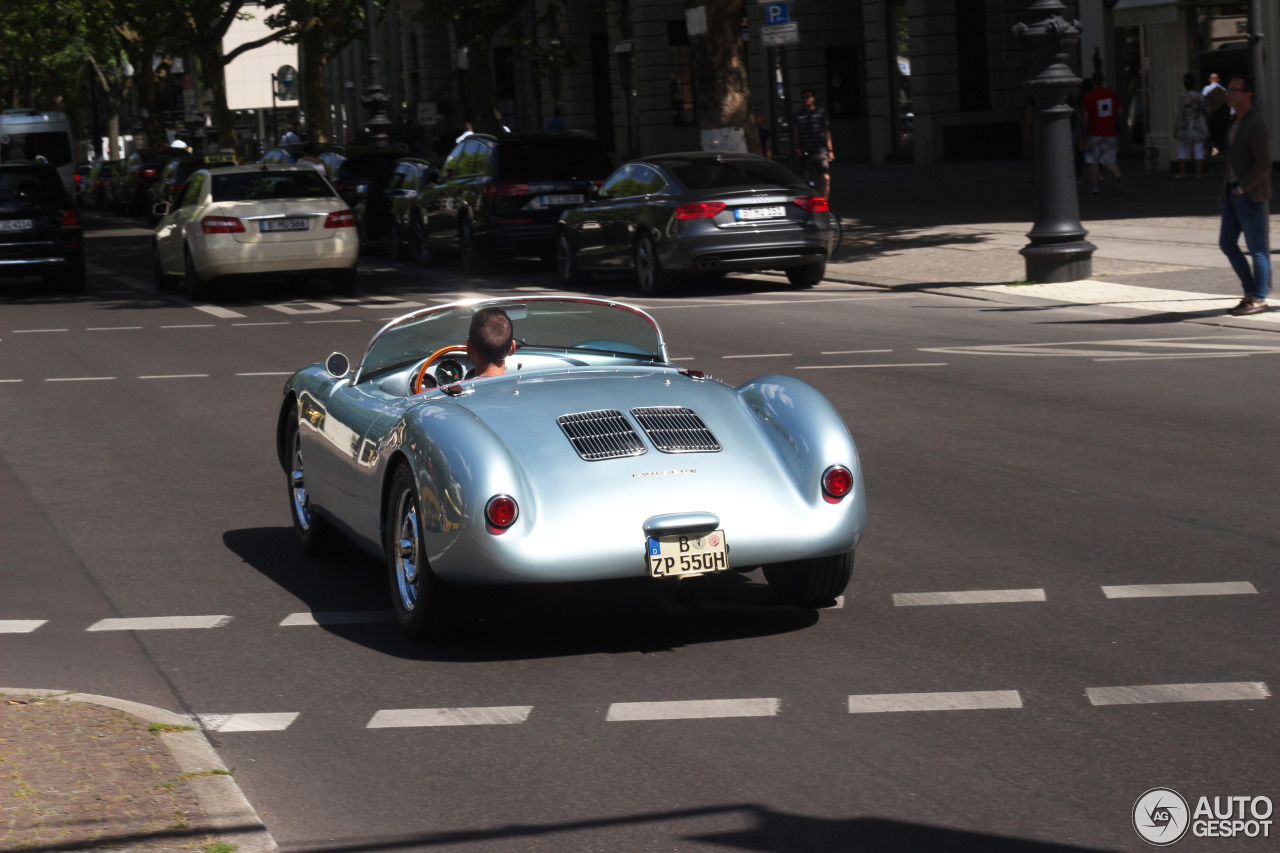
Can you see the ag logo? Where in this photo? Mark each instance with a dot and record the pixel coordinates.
(1161, 816)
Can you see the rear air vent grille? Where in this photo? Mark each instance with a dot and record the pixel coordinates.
(675, 429)
(602, 434)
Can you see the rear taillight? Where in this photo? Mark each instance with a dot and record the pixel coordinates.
(340, 219)
(813, 204)
(71, 218)
(498, 188)
(705, 210)
(837, 481)
(148, 173)
(597, 184)
(501, 512)
(222, 225)
(77, 179)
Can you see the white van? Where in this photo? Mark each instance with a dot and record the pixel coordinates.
(28, 134)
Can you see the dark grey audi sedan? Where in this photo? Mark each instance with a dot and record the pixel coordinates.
(698, 212)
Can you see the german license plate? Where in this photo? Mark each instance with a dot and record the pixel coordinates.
(572, 198)
(16, 224)
(773, 212)
(687, 554)
(284, 224)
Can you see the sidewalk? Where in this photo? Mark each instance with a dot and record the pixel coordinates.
(957, 229)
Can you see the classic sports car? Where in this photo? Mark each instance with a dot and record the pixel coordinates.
(593, 457)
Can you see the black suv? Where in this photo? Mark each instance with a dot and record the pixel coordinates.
(504, 194)
(39, 226)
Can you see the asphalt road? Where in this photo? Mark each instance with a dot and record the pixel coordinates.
(1055, 466)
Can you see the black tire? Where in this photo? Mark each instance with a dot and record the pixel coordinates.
(316, 535)
(474, 260)
(810, 583)
(807, 275)
(193, 284)
(571, 275)
(344, 282)
(652, 278)
(420, 245)
(163, 280)
(420, 600)
(73, 280)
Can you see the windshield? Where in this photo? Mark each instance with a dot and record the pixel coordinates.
(708, 174)
(259, 186)
(54, 146)
(583, 325)
(27, 187)
(552, 160)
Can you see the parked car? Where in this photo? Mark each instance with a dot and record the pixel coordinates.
(698, 212)
(99, 179)
(175, 174)
(250, 222)
(288, 155)
(361, 169)
(593, 458)
(504, 194)
(395, 213)
(40, 230)
(137, 173)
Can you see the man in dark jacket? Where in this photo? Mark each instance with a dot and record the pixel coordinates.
(1246, 196)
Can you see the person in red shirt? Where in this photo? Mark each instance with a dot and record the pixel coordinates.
(1101, 108)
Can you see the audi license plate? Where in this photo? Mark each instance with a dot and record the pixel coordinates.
(284, 224)
(572, 198)
(687, 554)
(773, 212)
(17, 224)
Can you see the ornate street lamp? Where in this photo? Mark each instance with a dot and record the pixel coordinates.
(375, 97)
(1057, 251)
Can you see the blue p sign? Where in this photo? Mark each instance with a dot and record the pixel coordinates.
(776, 13)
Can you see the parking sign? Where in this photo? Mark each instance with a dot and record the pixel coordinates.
(776, 13)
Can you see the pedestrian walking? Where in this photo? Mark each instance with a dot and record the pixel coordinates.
(1100, 107)
(290, 137)
(1246, 196)
(1192, 128)
(813, 143)
(1216, 112)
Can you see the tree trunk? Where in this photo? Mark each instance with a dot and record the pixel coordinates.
(213, 72)
(151, 95)
(315, 98)
(722, 91)
(479, 98)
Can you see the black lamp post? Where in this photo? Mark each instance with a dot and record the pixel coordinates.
(375, 98)
(1057, 251)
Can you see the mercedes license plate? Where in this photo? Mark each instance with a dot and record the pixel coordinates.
(774, 212)
(687, 554)
(572, 198)
(17, 224)
(284, 224)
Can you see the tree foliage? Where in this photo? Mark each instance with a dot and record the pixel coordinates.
(321, 28)
(43, 48)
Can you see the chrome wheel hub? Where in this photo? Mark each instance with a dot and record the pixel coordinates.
(298, 486)
(406, 550)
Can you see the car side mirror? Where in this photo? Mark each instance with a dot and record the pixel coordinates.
(337, 365)
(161, 209)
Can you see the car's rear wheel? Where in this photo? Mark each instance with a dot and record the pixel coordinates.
(807, 275)
(474, 260)
(571, 275)
(810, 583)
(195, 286)
(316, 535)
(74, 280)
(420, 245)
(418, 597)
(650, 275)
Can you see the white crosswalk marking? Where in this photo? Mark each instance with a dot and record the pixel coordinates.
(1162, 590)
(246, 722)
(20, 626)
(160, 623)
(694, 709)
(422, 717)
(1148, 694)
(875, 703)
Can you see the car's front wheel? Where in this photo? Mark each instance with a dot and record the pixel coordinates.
(316, 535)
(810, 583)
(418, 597)
(808, 275)
(571, 275)
(650, 275)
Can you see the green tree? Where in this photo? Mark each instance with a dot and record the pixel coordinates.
(722, 92)
(321, 29)
(43, 45)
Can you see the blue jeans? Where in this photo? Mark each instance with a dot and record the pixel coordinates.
(1239, 214)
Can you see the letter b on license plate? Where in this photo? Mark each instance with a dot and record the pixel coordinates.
(687, 554)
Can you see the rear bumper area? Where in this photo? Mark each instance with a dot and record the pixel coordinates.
(742, 249)
(40, 263)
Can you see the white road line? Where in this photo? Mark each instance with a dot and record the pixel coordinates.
(20, 626)
(852, 351)
(276, 323)
(839, 605)
(6, 381)
(973, 596)
(875, 703)
(36, 331)
(761, 355)
(693, 709)
(158, 623)
(687, 358)
(311, 322)
(1148, 694)
(338, 617)
(178, 376)
(1162, 590)
(193, 326)
(246, 722)
(276, 373)
(215, 310)
(840, 366)
(1171, 357)
(417, 717)
(111, 328)
(81, 379)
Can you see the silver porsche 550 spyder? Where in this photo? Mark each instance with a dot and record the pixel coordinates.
(593, 457)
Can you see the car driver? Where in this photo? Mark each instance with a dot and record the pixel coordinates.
(489, 342)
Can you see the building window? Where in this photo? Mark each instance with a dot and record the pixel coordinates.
(681, 73)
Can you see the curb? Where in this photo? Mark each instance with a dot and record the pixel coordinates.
(219, 795)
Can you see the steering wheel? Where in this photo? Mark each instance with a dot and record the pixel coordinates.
(415, 386)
